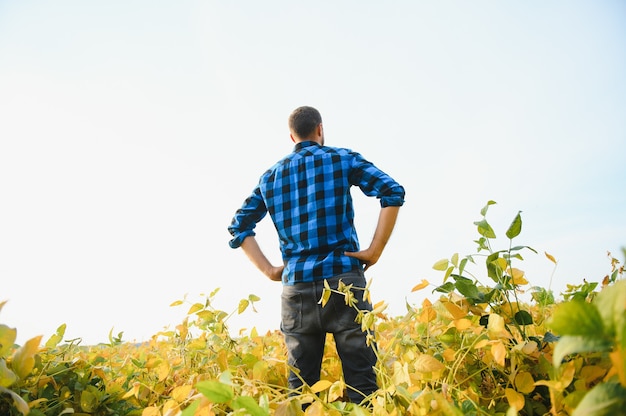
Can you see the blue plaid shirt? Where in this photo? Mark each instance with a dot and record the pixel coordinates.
(307, 195)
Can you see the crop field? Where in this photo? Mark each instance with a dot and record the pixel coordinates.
(473, 347)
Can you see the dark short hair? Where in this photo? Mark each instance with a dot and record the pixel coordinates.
(304, 120)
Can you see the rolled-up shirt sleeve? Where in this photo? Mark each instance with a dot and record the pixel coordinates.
(374, 182)
(246, 218)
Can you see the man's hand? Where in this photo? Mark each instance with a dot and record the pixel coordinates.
(367, 257)
(275, 273)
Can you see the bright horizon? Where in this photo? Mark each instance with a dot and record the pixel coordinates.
(130, 134)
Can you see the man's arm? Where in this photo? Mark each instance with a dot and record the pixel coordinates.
(256, 256)
(384, 227)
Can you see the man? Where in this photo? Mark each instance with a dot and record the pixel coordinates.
(307, 195)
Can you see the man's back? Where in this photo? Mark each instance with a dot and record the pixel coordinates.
(307, 194)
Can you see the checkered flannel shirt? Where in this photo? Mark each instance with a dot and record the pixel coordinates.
(307, 195)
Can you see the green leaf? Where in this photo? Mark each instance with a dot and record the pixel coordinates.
(445, 288)
(485, 229)
(191, 409)
(518, 248)
(611, 304)
(516, 227)
(482, 244)
(468, 288)
(250, 405)
(88, 401)
(573, 344)
(577, 318)
(605, 399)
(215, 391)
(483, 211)
(462, 265)
(254, 298)
(523, 318)
(494, 271)
(542, 296)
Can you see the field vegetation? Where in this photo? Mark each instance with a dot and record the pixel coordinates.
(485, 342)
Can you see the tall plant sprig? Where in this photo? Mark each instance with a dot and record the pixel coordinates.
(503, 297)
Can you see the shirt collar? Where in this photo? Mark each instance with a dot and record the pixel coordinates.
(308, 143)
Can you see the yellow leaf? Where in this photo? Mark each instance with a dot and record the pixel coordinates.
(495, 325)
(195, 308)
(441, 265)
(260, 370)
(550, 257)
(568, 373)
(518, 277)
(326, 292)
(181, 393)
(424, 283)
(176, 303)
(336, 391)
(529, 348)
(24, 358)
(321, 386)
(501, 263)
(35, 403)
(448, 354)
(222, 359)
(524, 382)
(7, 377)
(498, 351)
(428, 315)
(619, 365)
(514, 398)
(132, 392)
(401, 373)
(183, 329)
(315, 409)
(591, 373)
(170, 407)
(379, 307)
(455, 310)
(480, 344)
(553, 384)
(243, 305)
(428, 364)
(462, 324)
(151, 411)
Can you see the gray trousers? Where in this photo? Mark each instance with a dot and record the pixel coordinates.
(305, 324)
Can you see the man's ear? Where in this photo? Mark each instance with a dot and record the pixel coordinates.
(292, 139)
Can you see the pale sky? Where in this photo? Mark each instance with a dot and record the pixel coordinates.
(130, 132)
